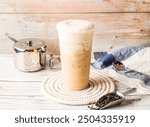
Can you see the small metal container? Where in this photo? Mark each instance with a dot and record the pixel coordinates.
(29, 54)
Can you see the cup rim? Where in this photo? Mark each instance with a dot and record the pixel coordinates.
(60, 27)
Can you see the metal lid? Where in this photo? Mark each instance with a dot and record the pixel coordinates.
(29, 44)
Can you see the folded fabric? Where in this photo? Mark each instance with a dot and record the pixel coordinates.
(137, 75)
(103, 59)
(125, 53)
(137, 60)
(131, 82)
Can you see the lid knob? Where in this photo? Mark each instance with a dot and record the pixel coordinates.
(29, 43)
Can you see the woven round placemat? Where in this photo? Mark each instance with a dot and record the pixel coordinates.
(99, 85)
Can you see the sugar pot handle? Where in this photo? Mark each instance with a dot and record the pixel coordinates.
(43, 56)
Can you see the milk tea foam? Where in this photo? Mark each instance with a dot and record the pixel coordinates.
(75, 40)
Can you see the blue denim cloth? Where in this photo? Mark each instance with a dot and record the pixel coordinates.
(124, 53)
(103, 60)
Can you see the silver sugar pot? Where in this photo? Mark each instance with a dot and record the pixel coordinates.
(29, 54)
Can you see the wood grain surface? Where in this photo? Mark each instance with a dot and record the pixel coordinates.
(112, 30)
(19, 90)
(73, 6)
(118, 23)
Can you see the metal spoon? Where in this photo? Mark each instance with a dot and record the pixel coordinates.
(118, 65)
(11, 38)
(111, 99)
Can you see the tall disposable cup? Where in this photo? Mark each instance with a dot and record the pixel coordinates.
(75, 40)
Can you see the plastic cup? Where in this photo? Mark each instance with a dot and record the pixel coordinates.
(75, 40)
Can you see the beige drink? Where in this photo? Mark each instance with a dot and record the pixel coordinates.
(75, 40)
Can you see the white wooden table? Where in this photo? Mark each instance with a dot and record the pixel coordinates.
(19, 90)
(117, 24)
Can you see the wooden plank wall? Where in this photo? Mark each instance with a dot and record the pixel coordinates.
(117, 22)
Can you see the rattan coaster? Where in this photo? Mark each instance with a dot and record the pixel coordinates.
(99, 85)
